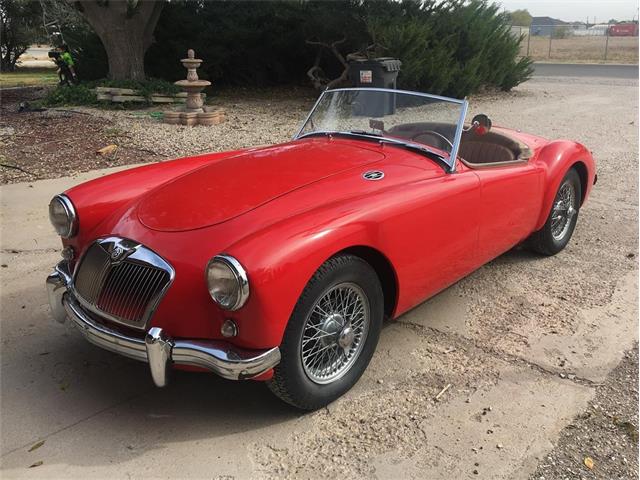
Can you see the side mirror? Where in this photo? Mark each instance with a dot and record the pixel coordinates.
(481, 124)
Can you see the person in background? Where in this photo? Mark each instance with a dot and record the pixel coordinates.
(65, 56)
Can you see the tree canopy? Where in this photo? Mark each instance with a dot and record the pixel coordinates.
(21, 23)
(521, 18)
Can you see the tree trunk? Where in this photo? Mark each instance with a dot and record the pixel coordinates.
(125, 51)
(126, 30)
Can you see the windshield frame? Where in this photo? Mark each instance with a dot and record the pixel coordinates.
(450, 161)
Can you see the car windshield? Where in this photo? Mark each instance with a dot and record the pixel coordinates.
(429, 122)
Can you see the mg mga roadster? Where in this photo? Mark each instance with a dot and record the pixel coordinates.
(281, 263)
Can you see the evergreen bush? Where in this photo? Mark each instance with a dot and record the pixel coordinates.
(450, 47)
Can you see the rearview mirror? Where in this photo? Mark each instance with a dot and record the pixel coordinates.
(481, 124)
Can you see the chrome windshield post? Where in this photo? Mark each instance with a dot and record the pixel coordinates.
(309, 115)
(458, 137)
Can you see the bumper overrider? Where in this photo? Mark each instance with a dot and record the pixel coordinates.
(158, 349)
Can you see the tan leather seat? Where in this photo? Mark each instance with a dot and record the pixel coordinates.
(477, 151)
(492, 147)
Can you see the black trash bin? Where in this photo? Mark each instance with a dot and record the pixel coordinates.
(376, 72)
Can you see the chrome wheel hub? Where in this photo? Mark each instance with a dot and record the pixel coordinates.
(346, 338)
(564, 209)
(335, 332)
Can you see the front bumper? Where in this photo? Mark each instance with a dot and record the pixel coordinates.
(158, 349)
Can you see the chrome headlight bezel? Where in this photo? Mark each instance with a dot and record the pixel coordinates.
(239, 277)
(70, 226)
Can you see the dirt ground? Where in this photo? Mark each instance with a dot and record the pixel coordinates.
(63, 141)
(606, 432)
(582, 49)
(528, 345)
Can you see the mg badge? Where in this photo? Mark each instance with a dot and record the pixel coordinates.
(117, 253)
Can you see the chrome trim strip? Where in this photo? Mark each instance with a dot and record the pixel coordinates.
(67, 204)
(241, 277)
(161, 351)
(393, 90)
(493, 164)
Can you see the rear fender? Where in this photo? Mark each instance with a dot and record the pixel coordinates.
(558, 157)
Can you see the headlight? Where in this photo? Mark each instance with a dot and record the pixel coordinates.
(62, 215)
(227, 282)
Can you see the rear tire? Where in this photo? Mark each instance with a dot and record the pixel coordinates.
(331, 335)
(561, 222)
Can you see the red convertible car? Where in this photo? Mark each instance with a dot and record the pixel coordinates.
(280, 263)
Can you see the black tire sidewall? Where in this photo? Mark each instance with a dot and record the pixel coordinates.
(300, 389)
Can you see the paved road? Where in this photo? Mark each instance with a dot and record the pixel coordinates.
(585, 70)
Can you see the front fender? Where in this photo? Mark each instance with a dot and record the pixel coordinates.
(558, 157)
(284, 257)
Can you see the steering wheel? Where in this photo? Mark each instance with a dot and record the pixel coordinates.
(434, 133)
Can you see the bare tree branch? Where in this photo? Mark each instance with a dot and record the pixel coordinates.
(316, 74)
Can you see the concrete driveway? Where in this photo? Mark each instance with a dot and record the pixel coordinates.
(521, 343)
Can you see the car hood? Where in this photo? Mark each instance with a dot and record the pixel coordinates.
(235, 185)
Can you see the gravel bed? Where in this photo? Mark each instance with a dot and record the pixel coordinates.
(605, 436)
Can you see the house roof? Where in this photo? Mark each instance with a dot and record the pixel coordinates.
(546, 21)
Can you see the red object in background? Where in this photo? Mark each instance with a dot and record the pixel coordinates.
(624, 30)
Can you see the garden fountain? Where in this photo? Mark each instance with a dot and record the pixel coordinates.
(194, 112)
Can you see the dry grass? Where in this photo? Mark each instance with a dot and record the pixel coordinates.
(29, 77)
(582, 49)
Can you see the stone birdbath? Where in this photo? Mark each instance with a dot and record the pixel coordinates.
(194, 112)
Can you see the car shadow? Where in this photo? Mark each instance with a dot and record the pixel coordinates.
(54, 384)
(104, 408)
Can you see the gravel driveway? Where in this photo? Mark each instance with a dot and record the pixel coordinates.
(527, 344)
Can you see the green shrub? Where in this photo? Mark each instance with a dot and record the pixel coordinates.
(70, 95)
(451, 48)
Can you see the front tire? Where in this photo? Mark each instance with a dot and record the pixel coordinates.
(331, 335)
(561, 222)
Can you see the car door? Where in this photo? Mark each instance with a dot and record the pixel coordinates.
(511, 197)
(432, 233)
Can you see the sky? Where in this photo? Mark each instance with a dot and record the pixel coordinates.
(576, 10)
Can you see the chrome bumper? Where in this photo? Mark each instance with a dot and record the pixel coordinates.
(158, 349)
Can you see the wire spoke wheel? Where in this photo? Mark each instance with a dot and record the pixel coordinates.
(564, 209)
(335, 332)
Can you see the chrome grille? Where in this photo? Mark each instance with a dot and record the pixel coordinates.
(122, 281)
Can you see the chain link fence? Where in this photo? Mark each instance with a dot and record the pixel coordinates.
(579, 43)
